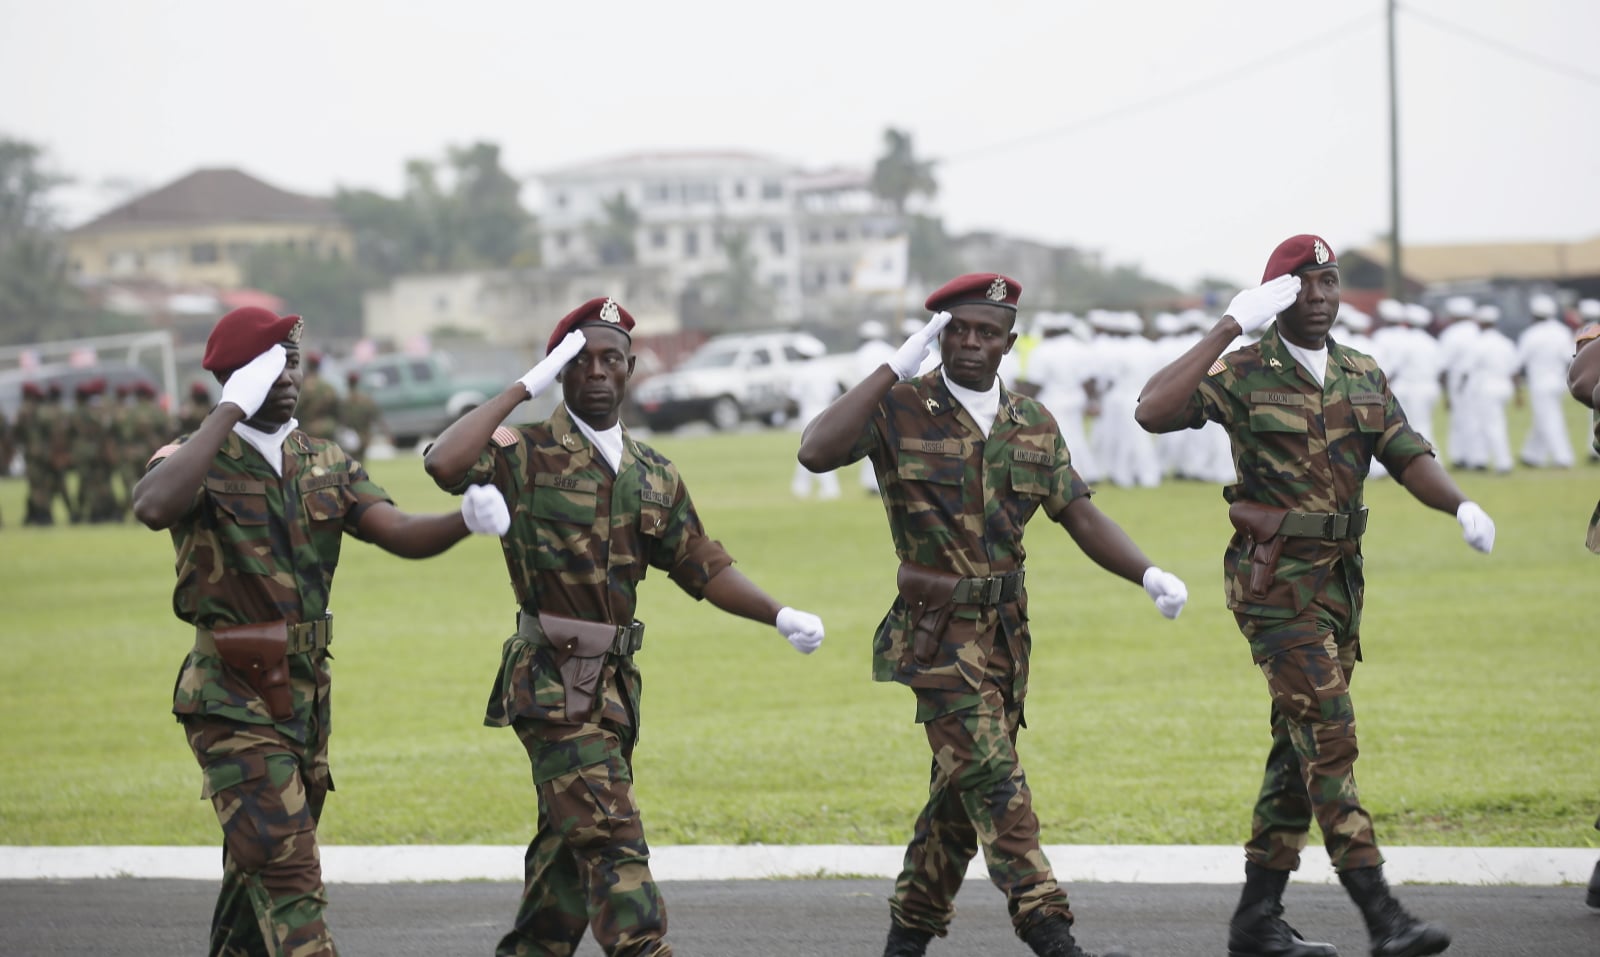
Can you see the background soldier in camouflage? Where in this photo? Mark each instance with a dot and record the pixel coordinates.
(1583, 381)
(7, 448)
(94, 453)
(258, 510)
(591, 511)
(962, 465)
(360, 414)
(319, 401)
(47, 448)
(195, 408)
(1307, 417)
(141, 427)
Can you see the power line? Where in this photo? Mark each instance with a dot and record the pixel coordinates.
(1516, 53)
(1321, 41)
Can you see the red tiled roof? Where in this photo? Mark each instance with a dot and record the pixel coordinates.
(214, 196)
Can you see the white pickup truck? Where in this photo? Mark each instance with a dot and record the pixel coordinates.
(738, 377)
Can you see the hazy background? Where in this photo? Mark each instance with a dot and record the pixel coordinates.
(1188, 137)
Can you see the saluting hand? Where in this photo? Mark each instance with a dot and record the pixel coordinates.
(908, 358)
(540, 376)
(1252, 309)
(801, 629)
(1167, 590)
(247, 386)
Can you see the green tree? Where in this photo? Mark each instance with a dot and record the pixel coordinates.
(37, 298)
(931, 256)
(326, 290)
(614, 236)
(733, 298)
(898, 174)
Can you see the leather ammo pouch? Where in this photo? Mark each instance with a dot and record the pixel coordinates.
(930, 601)
(580, 648)
(1259, 524)
(258, 653)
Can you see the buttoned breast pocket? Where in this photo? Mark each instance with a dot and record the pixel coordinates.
(323, 497)
(563, 509)
(242, 513)
(1280, 425)
(933, 473)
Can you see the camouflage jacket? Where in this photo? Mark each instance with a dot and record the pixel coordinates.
(256, 548)
(580, 542)
(1301, 446)
(1592, 540)
(93, 436)
(958, 502)
(141, 426)
(319, 407)
(360, 413)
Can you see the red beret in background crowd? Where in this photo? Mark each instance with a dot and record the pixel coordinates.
(1304, 251)
(198, 390)
(976, 288)
(90, 387)
(31, 390)
(245, 333)
(145, 389)
(353, 377)
(603, 311)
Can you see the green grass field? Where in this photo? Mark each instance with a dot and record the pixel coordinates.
(1479, 700)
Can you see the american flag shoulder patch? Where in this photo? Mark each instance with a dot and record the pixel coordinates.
(504, 437)
(1216, 367)
(163, 452)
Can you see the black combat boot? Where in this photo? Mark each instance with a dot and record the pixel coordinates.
(905, 942)
(1394, 932)
(1258, 929)
(1052, 937)
(1593, 899)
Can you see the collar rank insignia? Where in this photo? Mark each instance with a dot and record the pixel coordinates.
(933, 405)
(569, 440)
(609, 311)
(296, 331)
(997, 290)
(1319, 252)
(1275, 364)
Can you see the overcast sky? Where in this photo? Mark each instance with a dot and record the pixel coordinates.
(1188, 136)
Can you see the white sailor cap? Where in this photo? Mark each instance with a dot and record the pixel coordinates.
(1391, 310)
(1418, 315)
(1542, 306)
(1487, 314)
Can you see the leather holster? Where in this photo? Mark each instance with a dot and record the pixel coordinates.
(930, 601)
(258, 653)
(579, 648)
(1259, 525)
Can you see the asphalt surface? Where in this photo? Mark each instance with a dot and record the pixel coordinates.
(798, 918)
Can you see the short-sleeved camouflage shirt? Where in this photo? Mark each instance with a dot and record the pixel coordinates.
(1301, 446)
(958, 502)
(581, 540)
(257, 547)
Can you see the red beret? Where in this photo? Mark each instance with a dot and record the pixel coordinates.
(31, 390)
(353, 376)
(145, 389)
(976, 288)
(603, 311)
(245, 333)
(198, 390)
(89, 387)
(1296, 253)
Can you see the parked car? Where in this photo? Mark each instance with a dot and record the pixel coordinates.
(420, 395)
(737, 377)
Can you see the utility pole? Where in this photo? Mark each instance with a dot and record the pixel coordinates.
(1395, 282)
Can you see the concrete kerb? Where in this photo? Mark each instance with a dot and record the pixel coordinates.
(1177, 864)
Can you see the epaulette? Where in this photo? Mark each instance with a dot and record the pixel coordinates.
(504, 437)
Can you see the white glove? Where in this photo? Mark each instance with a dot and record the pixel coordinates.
(801, 628)
(540, 376)
(249, 384)
(1167, 590)
(484, 509)
(1477, 528)
(1252, 309)
(907, 360)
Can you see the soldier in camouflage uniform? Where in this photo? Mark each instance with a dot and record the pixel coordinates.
(94, 453)
(360, 414)
(195, 408)
(1583, 381)
(1307, 417)
(141, 426)
(591, 511)
(962, 465)
(7, 448)
(257, 511)
(47, 449)
(319, 401)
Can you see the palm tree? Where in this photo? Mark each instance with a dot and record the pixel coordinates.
(614, 237)
(898, 174)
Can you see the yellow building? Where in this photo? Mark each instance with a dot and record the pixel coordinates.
(201, 230)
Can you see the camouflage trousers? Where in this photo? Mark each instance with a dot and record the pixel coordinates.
(45, 485)
(261, 784)
(588, 866)
(977, 795)
(97, 498)
(1310, 768)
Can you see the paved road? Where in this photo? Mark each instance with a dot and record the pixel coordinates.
(799, 918)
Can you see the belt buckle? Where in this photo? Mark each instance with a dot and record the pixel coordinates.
(992, 588)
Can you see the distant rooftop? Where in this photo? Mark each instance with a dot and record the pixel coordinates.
(661, 158)
(214, 196)
(1511, 260)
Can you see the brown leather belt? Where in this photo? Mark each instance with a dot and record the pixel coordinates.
(304, 637)
(624, 639)
(1329, 525)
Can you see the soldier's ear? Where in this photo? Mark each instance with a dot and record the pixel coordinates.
(631, 360)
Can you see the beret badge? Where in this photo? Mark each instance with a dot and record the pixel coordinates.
(997, 290)
(296, 331)
(1319, 252)
(609, 312)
